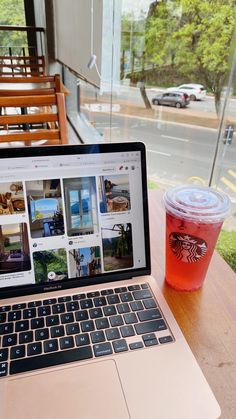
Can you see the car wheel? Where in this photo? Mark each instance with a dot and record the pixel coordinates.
(192, 97)
(155, 102)
(178, 105)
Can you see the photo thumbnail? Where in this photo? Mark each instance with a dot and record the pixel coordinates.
(50, 265)
(81, 205)
(14, 248)
(85, 261)
(11, 198)
(117, 246)
(114, 193)
(45, 208)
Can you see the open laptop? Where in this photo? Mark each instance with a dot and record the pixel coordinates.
(84, 331)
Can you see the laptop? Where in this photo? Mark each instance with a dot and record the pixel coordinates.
(84, 330)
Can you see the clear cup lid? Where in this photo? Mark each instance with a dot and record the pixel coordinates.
(197, 203)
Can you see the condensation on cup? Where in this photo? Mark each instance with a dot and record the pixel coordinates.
(194, 217)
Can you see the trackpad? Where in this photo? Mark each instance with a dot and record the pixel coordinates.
(85, 391)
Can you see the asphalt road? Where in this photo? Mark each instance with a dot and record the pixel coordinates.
(175, 152)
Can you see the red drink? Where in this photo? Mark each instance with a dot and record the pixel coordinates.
(194, 217)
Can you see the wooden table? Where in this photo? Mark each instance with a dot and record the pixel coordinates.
(207, 317)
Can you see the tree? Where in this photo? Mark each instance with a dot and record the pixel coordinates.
(194, 36)
(12, 13)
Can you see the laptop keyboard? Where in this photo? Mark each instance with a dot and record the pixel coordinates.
(44, 333)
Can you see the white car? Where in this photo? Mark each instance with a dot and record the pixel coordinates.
(194, 91)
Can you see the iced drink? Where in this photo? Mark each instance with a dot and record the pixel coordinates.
(194, 217)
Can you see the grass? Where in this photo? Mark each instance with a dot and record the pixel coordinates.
(226, 247)
(152, 184)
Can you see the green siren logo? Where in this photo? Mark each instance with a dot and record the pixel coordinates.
(187, 248)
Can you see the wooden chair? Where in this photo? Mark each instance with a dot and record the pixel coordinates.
(29, 86)
(47, 123)
(14, 65)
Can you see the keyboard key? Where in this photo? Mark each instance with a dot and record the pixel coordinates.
(64, 299)
(29, 313)
(165, 339)
(148, 327)
(107, 292)
(142, 294)
(98, 336)
(34, 348)
(116, 320)
(17, 352)
(6, 328)
(126, 297)
(130, 318)
(57, 331)
(113, 299)
(82, 340)
(3, 309)
(9, 340)
(22, 325)
(52, 320)
(144, 286)
(58, 308)
(88, 303)
(44, 311)
(50, 359)
(50, 345)
(67, 318)
(19, 306)
(3, 369)
(34, 304)
(113, 333)
(26, 337)
(14, 315)
(93, 294)
(150, 303)
(67, 342)
(3, 354)
(120, 289)
(109, 310)
(79, 297)
(95, 313)
(123, 308)
(81, 315)
(151, 314)
(49, 301)
(136, 305)
(102, 323)
(151, 342)
(72, 329)
(100, 301)
(37, 323)
(41, 334)
(3, 317)
(127, 331)
(87, 326)
(72, 306)
(102, 349)
(120, 345)
(136, 345)
(134, 287)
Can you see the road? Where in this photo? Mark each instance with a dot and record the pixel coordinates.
(175, 152)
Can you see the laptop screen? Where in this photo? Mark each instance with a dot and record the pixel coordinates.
(71, 216)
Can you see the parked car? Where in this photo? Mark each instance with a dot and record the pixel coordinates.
(195, 91)
(177, 99)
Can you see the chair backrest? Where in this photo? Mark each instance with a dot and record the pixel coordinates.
(47, 122)
(14, 65)
(29, 86)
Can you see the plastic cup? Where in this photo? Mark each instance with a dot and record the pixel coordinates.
(194, 217)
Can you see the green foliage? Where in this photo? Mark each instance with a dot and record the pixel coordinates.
(226, 247)
(194, 36)
(12, 13)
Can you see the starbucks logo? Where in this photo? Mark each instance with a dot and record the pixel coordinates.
(187, 248)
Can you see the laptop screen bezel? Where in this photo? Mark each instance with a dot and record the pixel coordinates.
(59, 150)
